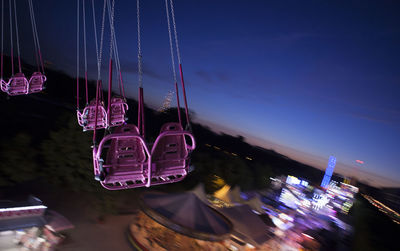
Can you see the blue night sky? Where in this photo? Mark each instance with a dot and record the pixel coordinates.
(309, 79)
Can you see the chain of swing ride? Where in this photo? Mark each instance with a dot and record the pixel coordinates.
(113, 50)
(178, 54)
(12, 6)
(169, 9)
(99, 53)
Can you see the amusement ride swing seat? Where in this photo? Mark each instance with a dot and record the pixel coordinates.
(114, 115)
(87, 118)
(36, 82)
(127, 159)
(122, 159)
(18, 84)
(170, 154)
(117, 111)
(2, 84)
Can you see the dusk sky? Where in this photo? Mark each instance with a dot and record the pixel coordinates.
(309, 79)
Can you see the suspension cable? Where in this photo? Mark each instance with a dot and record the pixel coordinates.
(2, 37)
(99, 52)
(170, 41)
(173, 61)
(84, 33)
(11, 39)
(111, 12)
(111, 19)
(95, 32)
(17, 37)
(101, 41)
(77, 54)
(111, 22)
(84, 49)
(140, 71)
(180, 64)
(36, 36)
(178, 54)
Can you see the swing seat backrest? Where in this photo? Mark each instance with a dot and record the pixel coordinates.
(17, 85)
(36, 82)
(127, 159)
(118, 110)
(170, 153)
(3, 85)
(88, 116)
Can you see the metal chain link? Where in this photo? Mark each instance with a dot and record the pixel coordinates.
(170, 41)
(84, 33)
(36, 35)
(33, 33)
(175, 31)
(111, 20)
(2, 36)
(16, 31)
(95, 34)
(77, 39)
(140, 71)
(101, 42)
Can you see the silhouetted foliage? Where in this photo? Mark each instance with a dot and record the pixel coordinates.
(18, 160)
(67, 156)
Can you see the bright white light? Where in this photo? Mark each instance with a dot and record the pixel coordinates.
(22, 208)
(304, 183)
(292, 180)
(50, 228)
(233, 248)
(250, 246)
(308, 236)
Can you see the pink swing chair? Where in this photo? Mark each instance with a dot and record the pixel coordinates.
(126, 160)
(170, 154)
(18, 84)
(122, 159)
(94, 115)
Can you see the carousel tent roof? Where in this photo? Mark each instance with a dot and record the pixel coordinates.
(200, 193)
(246, 225)
(224, 194)
(187, 214)
(235, 194)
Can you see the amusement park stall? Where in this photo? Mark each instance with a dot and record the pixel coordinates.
(30, 225)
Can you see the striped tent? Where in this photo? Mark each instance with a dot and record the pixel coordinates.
(247, 226)
(185, 213)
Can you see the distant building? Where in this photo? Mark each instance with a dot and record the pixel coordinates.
(22, 214)
(329, 171)
(30, 225)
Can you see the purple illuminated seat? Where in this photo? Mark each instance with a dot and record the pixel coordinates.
(126, 162)
(87, 119)
(36, 82)
(3, 85)
(17, 85)
(118, 110)
(170, 154)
